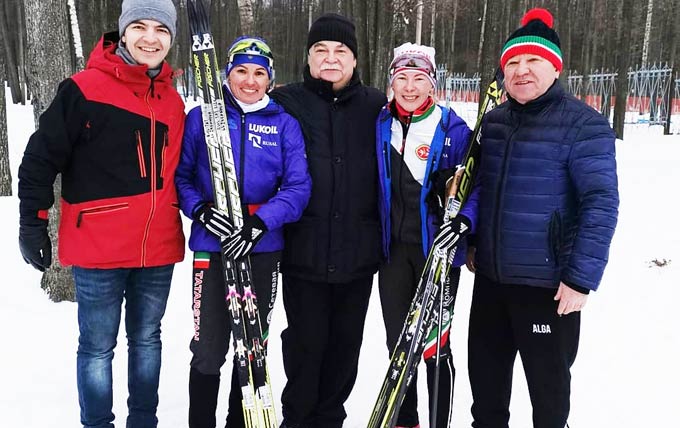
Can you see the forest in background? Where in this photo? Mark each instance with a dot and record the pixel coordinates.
(467, 35)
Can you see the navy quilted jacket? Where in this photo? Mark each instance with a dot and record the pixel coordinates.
(549, 195)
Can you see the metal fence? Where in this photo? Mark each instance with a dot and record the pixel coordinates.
(653, 93)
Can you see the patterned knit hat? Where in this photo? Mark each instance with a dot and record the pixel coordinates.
(536, 36)
(333, 27)
(162, 11)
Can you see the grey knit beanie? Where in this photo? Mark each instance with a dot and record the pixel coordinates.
(162, 11)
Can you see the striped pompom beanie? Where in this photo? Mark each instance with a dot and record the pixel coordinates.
(536, 36)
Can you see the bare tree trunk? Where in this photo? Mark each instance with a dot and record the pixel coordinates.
(21, 49)
(49, 62)
(180, 49)
(419, 21)
(588, 38)
(453, 31)
(383, 42)
(432, 22)
(509, 24)
(648, 30)
(360, 17)
(563, 27)
(624, 24)
(9, 57)
(675, 46)
(5, 173)
(481, 36)
(91, 25)
(489, 50)
(75, 33)
(245, 11)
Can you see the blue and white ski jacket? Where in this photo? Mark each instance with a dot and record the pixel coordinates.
(273, 179)
(446, 149)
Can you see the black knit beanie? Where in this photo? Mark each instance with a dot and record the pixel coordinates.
(333, 27)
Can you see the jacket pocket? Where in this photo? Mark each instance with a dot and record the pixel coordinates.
(305, 243)
(140, 154)
(368, 250)
(163, 150)
(555, 236)
(100, 210)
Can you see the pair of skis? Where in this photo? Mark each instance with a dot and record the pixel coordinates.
(258, 403)
(423, 315)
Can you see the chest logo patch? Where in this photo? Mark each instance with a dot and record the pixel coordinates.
(423, 151)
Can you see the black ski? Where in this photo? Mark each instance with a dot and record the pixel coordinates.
(419, 320)
(258, 403)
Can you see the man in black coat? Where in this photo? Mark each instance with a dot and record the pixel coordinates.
(331, 254)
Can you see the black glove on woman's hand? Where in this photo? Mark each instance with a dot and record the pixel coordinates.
(451, 232)
(244, 240)
(217, 222)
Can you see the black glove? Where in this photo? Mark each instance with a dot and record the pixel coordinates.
(436, 197)
(34, 243)
(451, 232)
(217, 222)
(244, 240)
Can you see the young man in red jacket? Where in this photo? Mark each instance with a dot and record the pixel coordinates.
(114, 133)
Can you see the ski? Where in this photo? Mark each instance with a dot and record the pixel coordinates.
(419, 320)
(257, 402)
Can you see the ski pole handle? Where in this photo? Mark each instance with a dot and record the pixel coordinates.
(452, 204)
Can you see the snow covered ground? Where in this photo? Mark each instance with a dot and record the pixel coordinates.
(626, 375)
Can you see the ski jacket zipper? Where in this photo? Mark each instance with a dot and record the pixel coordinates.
(404, 127)
(242, 161)
(499, 189)
(153, 174)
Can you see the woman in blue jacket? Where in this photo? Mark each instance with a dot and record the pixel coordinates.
(415, 138)
(274, 185)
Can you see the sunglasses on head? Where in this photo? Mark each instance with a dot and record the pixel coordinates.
(251, 47)
(412, 61)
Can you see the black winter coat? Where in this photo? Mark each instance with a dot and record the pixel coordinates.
(338, 237)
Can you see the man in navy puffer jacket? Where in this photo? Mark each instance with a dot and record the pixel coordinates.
(548, 207)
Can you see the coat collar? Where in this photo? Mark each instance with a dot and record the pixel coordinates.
(324, 89)
(104, 58)
(554, 92)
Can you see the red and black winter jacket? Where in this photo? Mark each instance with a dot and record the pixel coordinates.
(115, 136)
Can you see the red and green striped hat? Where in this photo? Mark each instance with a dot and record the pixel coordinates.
(536, 36)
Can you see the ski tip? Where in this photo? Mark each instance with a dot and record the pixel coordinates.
(199, 21)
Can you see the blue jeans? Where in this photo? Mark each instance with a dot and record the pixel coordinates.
(100, 293)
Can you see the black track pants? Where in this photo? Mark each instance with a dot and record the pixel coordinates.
(321, 348)
(212, 331)
(397, 282)
(506, 319)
